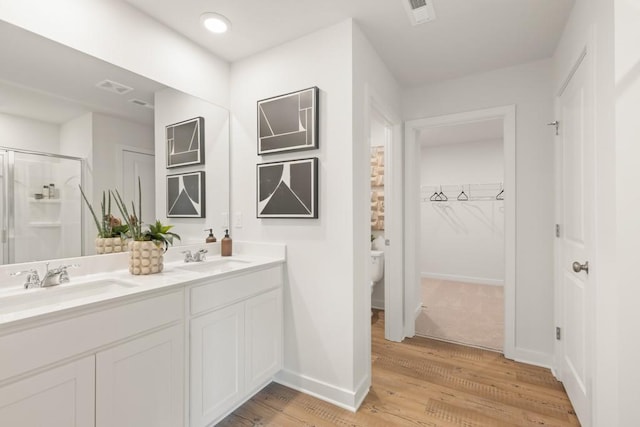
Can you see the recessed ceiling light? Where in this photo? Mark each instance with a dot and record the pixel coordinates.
(215, 22)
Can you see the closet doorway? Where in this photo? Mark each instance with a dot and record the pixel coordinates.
(462, 234)
(460, 208)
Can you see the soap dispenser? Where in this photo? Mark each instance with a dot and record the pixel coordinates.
(225, 243)
(210, 238)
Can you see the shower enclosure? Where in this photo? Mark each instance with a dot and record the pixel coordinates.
(40, 206)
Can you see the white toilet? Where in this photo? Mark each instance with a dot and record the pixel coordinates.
(377, 268)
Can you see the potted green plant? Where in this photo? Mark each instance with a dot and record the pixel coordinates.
(112, 233)
(148, 244)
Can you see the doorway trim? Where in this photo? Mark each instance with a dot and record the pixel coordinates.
(394, 277)
(412, 299)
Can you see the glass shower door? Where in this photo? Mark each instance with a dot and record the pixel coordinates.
(44, 207)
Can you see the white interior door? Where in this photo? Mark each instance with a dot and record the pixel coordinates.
(136, 164)
(576, 207)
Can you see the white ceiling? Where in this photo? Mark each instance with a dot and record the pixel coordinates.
(50, 82)
(468, 36)
(487, 130)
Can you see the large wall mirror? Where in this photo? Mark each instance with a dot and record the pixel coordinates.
(69, 119)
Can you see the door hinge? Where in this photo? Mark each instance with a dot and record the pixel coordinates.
(557, 230)
(556, 124)
(558, 333)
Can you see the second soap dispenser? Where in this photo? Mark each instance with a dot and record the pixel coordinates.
(210, 238)
(225, 244)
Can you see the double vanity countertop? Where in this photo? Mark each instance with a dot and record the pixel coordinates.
(88, 291)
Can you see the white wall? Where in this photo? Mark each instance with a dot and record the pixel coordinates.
(326, 293)
(375, 91)
(173, 107)
(463, 241)
(319, 290)
(527, 86)
(116, 32)
(29, 134)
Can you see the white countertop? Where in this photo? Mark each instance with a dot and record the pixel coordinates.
(18, 305)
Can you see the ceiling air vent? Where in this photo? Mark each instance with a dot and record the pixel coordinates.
(114, 87)
(420, 11)
(141, 103)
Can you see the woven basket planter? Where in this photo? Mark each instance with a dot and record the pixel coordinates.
(145, 257)
(110, 245)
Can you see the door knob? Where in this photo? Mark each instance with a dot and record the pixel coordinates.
(577, 267)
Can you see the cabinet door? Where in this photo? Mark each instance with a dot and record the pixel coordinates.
(217, 363)
(59, 397)
(263, 318)
(140, 383)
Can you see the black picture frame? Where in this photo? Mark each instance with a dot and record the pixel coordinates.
(288, 122)
(185, 143)
(287, 189)
(186, 196)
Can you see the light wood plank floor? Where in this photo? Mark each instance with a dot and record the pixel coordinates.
(424, 382)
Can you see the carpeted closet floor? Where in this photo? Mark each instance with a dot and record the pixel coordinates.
(464, 313)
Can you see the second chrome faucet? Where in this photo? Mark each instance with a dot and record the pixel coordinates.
(198, 256)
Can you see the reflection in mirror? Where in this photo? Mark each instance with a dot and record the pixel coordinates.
(67, 118)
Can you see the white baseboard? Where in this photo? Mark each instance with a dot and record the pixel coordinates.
(531, 357)
(377, 303)
(465, 279)
(345, 399)
(361, 391)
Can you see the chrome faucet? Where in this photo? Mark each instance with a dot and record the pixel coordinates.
(200, 255)
(52, 277)
(33, 280)
(196, 257)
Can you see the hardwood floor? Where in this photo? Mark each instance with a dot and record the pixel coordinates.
(424, 382)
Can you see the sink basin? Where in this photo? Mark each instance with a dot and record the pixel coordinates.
(213, 266)
(40, 298)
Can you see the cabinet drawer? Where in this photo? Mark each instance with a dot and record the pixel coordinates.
(228, 290)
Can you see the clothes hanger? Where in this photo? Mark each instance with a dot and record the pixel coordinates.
(463, 196)
(441, 196)
(500, 195)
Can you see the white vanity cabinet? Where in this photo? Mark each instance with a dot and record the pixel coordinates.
(182, 355)
(236, 341)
